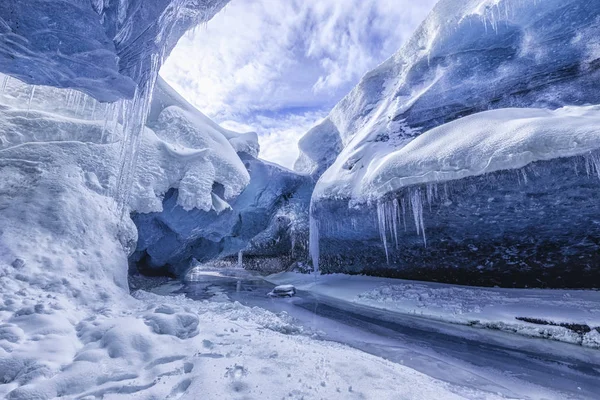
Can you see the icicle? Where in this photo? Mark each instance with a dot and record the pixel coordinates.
(31, 94)
(395, 220)
(77, 102)
(94, 105)
(313, 239)
(525, 178)
(293, 246)
(592, 165)
(82, 104)
(403, 202)
(417, 208)
(382, 228)
(70, 98)
(429, 195)
(4, 84)
(240, 262)
(108, 112)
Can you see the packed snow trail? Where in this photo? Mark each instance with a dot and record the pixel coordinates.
(484, 360)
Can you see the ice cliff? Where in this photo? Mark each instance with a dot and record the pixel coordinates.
(416, 146)
(267, 222)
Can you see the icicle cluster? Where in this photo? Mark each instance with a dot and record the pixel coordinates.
(391, 214)
(313, 240)
(135, 112)
(592, 164)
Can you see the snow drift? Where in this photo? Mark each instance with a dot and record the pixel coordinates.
(483, 143)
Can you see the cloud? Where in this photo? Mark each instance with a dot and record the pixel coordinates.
(278, 136)
(261, 61)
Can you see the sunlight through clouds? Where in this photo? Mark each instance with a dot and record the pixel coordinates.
(279, 66)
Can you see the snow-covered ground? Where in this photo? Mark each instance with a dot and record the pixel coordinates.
(68, 325)
(571, 316)
(171, 347)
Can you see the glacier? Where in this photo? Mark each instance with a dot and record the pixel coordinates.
(482, 93)
(472, 156)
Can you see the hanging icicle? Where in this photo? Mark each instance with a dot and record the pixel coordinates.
(31, 94)
(313, 238)
(5, 81)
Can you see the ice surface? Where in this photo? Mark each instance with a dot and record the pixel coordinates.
(101, 48)
(570, 316)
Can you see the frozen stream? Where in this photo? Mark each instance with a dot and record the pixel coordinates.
(488, 360)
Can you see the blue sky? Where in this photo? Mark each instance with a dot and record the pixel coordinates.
(278, 66)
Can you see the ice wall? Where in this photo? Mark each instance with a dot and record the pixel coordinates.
(267, 221)
(466, 57)
(103, 48)
(381, 158)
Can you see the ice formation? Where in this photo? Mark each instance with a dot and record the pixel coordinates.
(73, 167)
(535, 63)
(266, 222)
(466, 57)
(102, 48)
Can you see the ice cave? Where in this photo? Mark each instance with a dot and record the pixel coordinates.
(435, 233)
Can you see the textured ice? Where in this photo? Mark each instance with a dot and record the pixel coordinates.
(466, 57)
(102, 48)
(203, 218)
(381, 150)
(483, 143)
(266, 221)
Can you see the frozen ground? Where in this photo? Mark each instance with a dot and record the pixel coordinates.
(157, 347)
(571, 316)
(492, 361)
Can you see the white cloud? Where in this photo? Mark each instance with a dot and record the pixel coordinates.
(278, 137)
(260, 61)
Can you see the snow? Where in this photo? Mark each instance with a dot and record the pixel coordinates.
(486, 142)
(571, 316)
(181, 150)
(68, 326)
(466, 57)
(475, 145)
(165, 96)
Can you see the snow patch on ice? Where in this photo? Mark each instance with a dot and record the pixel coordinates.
(571, 316)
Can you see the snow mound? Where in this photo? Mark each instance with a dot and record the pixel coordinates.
(165, 96)
(483, 143)
(192, 157)
(466, 57)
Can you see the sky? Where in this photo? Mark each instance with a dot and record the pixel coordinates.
(277, 67)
